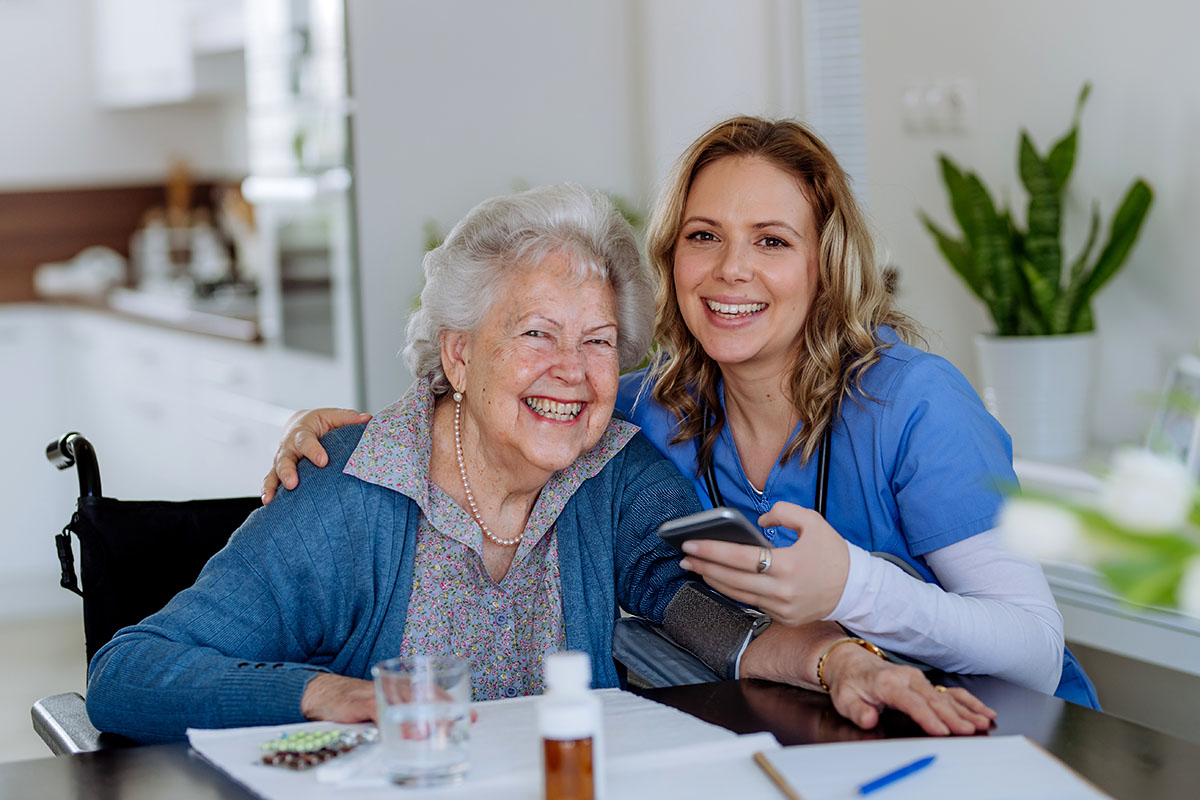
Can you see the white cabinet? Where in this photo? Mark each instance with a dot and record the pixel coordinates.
(148, 52)
(172, 415)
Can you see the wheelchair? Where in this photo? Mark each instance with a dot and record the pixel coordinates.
(134, 556)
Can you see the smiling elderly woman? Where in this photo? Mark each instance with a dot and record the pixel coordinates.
(484, 514)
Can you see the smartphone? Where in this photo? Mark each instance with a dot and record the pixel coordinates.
(722, 524)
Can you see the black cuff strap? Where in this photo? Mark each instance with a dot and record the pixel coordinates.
(711, 627)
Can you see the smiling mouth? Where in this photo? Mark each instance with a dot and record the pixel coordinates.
(734, 310)
(550, 409)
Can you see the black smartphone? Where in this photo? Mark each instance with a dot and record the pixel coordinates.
(722, 524)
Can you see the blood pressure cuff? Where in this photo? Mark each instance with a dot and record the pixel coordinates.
(711, 627)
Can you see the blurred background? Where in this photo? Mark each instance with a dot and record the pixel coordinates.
(213, 212)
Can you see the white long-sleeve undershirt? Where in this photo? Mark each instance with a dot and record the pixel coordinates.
(995, 614)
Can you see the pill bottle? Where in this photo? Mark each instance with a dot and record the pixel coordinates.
(570, 720)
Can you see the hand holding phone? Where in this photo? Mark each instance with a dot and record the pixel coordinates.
(720, 524)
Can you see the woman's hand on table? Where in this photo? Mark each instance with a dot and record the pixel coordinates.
(803, 583)
(337, 698)
(302, 439)
(860, 683)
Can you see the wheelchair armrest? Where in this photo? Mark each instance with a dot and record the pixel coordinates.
(652, 659)
(62, 722)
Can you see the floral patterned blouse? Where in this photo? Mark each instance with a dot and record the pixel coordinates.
(503, 628)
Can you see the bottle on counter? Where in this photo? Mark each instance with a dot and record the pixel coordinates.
(571, 723)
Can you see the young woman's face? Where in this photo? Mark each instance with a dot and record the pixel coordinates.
(746, 263)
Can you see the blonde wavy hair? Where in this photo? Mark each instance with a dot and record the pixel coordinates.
(837, 344)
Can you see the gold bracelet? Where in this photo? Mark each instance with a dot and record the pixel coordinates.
(863, 643)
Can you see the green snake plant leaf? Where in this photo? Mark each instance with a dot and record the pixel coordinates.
(1079, 265)
(1061, 158)
(1028, 323)
(1044, 221)
(1083, 321)
(1067, 302)
(957, 254)
(960, 200)
(1042, 292)
(1122, 233)
(994, 262)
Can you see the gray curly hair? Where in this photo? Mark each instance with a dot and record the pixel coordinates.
(519, 231)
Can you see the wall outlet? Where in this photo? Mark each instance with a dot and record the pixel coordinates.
(937, 107)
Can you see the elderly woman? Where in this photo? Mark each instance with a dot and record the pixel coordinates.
(497, 511)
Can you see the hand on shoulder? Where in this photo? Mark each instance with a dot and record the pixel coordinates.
(302, 439)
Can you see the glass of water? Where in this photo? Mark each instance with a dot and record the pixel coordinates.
(424, 718)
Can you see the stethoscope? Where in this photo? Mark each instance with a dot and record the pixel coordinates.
(820, 501)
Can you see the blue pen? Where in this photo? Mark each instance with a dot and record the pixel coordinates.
(895, 775)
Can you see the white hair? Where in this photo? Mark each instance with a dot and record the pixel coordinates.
(518, 231)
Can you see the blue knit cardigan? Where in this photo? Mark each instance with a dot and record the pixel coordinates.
(319, 581)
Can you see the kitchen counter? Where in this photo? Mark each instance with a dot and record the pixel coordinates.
(168, 312)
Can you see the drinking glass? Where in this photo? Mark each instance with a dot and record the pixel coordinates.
(424, 718)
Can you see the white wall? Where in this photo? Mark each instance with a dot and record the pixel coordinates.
(456, 99)
(55, 135)
(703, 61)
(454, 102)
(1026, 61)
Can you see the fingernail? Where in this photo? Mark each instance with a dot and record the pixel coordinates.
(688, 547)
(685, 564)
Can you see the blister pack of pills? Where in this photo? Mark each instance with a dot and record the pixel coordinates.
(306, 749)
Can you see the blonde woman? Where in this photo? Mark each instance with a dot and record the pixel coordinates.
(787, 387)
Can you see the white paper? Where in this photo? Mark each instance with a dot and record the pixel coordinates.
(652, 751)
(979, 767)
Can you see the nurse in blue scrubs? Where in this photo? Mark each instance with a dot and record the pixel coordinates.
(787, 386)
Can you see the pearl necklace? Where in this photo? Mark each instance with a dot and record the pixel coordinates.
(462, 470)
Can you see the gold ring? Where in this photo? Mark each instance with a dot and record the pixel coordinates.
(941, 689)
(764, 559)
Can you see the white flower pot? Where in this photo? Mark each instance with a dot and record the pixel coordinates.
(1039, 387)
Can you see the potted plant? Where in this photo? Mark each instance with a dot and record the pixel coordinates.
(1037, 366)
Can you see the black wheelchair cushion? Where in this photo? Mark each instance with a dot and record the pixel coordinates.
(135, 555)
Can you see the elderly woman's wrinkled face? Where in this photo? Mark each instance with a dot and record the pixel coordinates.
(541, 371)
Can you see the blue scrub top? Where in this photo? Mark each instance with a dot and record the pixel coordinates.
(919, 466)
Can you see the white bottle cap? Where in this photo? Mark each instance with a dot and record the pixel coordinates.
(569, 671)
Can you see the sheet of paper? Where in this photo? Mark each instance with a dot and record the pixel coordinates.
(979, 767)
(651, 749)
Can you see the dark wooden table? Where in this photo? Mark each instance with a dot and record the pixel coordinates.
(1122, 758)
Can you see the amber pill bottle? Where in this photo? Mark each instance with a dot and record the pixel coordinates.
(570, 719)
